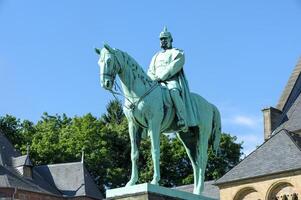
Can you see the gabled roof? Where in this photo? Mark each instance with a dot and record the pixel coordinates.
(288, 92)
(291, 119)
(281, 151)
(21, 161)
(11, 178)
(290, 103)
(68, 179)
(72, 179)
(7, 151)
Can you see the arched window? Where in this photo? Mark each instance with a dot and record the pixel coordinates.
(248, 193)
(282, 191)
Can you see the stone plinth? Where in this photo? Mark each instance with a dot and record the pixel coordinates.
(148, 191)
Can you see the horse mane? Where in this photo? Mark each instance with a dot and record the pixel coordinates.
(137, 70)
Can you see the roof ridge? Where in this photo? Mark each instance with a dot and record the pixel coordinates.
(293, 108)
(7, 151)
(258, 147)
(291, 137)
(59, 164)
(86, 172)
(289, 86)
(83, 173)
(217, 182)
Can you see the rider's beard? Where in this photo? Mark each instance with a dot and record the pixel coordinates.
(165, 45)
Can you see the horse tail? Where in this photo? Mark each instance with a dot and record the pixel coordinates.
(216, 130)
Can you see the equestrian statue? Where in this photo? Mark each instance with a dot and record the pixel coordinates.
(160, 102)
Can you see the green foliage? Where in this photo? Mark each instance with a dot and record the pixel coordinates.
(114, 113)
(229, 155)
(105, 142)
(175, 165)
(19, 133)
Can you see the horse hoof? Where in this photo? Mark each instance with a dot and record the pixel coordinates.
(197, 191)
(154, 182)
(130, 183)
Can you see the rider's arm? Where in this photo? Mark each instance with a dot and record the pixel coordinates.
(151, 72)
(174, 67)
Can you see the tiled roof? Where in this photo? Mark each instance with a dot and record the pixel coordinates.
(21, 161)
(290, 103)
(11, 178)
(282, 152)
(278, 154)
(72, 179)
(7, 151)
(282, 103)
(291, 120)
(210, 190)
(68, 179)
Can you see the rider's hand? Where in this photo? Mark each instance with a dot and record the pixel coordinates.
(158, 79)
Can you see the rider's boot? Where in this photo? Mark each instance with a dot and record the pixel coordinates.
(180, 109)
(182, 125)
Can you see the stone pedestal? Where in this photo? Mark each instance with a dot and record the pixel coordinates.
(148, 191)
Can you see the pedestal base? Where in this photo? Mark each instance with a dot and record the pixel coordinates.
(148, 191)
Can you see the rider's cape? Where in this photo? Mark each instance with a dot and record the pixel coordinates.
(172, 72)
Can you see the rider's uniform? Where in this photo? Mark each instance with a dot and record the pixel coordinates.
(168, 66)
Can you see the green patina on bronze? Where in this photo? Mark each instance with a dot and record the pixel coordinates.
(160, 102)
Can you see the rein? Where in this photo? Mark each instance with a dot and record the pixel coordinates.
(114, 93)
(134, 104)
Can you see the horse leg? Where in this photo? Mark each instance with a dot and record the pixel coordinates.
(135, 137)
(202, 168)
(202, 159)
(154, 132)
(190, 141)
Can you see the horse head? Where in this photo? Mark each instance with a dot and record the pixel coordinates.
(108, 66)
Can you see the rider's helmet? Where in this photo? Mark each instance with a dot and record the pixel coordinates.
(165, 33)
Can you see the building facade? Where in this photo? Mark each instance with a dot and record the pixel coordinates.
(273, 170)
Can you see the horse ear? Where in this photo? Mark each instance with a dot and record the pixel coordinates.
(97, 51)
(107, 47)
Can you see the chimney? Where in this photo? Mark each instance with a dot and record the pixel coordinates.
(271, 117)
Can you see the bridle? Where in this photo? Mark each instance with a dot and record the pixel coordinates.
(117, 89)
(111, 76)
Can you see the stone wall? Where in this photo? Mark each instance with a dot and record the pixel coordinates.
(264, 188)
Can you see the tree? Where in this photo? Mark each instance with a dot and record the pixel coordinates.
(175, 165)
(19, 133)
(229, 155)
(106, 143)
(114, 113)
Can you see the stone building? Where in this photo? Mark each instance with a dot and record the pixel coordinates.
(19, 179)
(273, 170)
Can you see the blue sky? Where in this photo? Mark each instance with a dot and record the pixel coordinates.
(239, 54)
